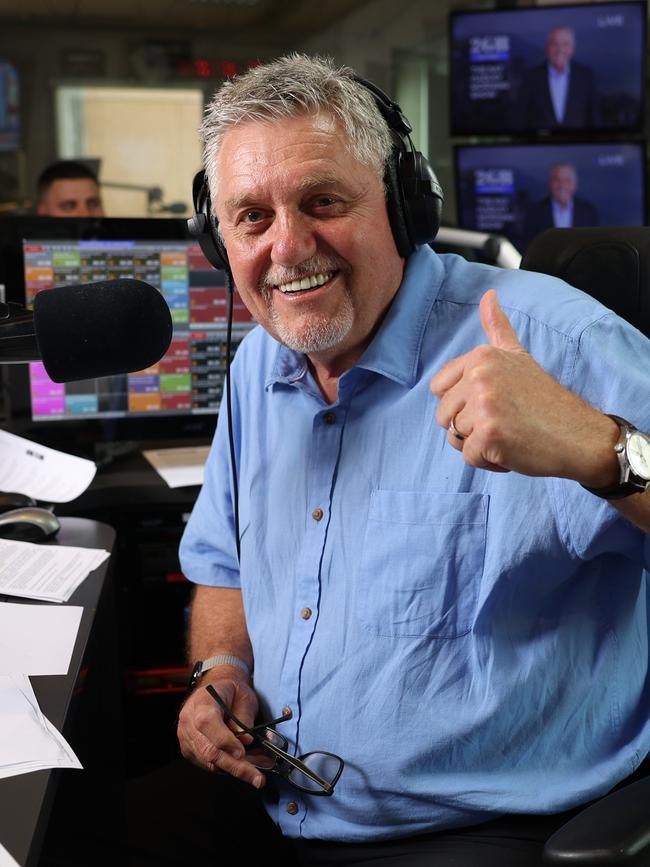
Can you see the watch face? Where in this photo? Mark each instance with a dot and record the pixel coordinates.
(638, 454)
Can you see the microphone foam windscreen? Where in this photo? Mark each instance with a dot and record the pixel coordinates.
(101, 329)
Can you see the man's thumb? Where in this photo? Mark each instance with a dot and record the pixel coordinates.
(496, 324)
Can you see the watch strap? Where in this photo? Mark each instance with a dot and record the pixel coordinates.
(204, 665)
(615, 492)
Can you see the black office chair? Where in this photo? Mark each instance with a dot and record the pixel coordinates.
(612, 265)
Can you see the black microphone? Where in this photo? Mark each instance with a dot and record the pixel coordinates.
(88, 331)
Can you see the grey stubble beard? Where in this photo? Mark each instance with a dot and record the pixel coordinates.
(318, 333)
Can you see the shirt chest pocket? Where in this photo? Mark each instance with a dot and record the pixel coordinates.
(422, 562)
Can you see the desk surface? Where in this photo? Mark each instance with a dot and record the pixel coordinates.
(128, 482)
(26, 799)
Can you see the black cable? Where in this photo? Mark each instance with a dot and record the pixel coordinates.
(231, 437)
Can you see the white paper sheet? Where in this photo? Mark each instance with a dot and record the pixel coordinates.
(48, 572)
(28, 741)
(6, 859)
(42, 473)
(179, 467)
(37, 639)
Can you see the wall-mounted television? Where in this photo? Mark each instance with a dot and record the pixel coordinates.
(520, 190)
(177, 398)
(566, 68)
(9, 107)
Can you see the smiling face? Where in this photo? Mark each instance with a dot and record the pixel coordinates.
(560, 46)
(563, 183)
(307, 234)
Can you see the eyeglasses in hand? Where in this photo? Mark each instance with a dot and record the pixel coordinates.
(314, 773)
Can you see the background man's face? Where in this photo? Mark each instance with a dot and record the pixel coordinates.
(560, 46)
(71, 197)
(563, 183)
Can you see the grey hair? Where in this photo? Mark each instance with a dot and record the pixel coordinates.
(567, 28)
(564, 164)
(294, 85)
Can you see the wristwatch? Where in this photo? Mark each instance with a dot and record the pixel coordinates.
(204, 665)
(633, 452)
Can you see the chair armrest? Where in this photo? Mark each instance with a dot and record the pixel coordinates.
(614, 830)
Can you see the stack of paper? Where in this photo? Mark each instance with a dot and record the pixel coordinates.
(7, 860)
(41, 473)
(181, 466)
(37, 639)
(48, 572)
(34, 639)
(28, 741)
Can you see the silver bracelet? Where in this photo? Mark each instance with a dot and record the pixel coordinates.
(204, 665)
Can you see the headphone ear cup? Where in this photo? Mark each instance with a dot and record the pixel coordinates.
(413, 194)
(203, 225)
(422, 197)
(218, 248)
(396, 207)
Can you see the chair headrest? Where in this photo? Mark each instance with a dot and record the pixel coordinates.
(610, 264)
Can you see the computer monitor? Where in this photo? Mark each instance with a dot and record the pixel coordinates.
(508, 69)
(177, 398)
(520, 190)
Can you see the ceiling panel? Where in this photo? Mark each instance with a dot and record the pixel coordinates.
(257, 18)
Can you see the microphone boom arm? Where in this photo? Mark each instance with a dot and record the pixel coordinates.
(17, 326)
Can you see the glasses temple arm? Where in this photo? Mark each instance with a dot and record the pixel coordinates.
(265, 725)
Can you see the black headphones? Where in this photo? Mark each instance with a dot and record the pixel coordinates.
(414, 196)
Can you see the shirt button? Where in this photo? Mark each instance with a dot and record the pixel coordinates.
(292, 808)
(305, 613)
(329, 417)
(317, 514)
(287, 713)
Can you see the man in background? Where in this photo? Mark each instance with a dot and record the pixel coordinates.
(560, 93)
(561, 208)
(68, 189)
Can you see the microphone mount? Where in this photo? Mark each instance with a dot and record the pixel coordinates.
(17, 324)
(155, 197)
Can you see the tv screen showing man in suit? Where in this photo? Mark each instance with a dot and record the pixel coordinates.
(560, 92)
(559, 68)
(9, 108)
(520, 190)
(561, 208)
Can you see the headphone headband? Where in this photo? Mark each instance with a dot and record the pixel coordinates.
(390, 111)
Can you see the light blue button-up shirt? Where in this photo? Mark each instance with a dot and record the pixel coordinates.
(558, 84)
(478, 642)
(562, 216)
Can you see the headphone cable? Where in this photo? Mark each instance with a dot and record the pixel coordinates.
(231, 437)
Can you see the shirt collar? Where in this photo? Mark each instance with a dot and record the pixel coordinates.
(395, 350)
(556, 74)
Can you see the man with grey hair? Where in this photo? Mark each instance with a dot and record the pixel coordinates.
(436, 653)
(561, 92)
(561, 207)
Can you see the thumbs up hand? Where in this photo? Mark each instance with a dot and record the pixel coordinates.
(504, 412)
